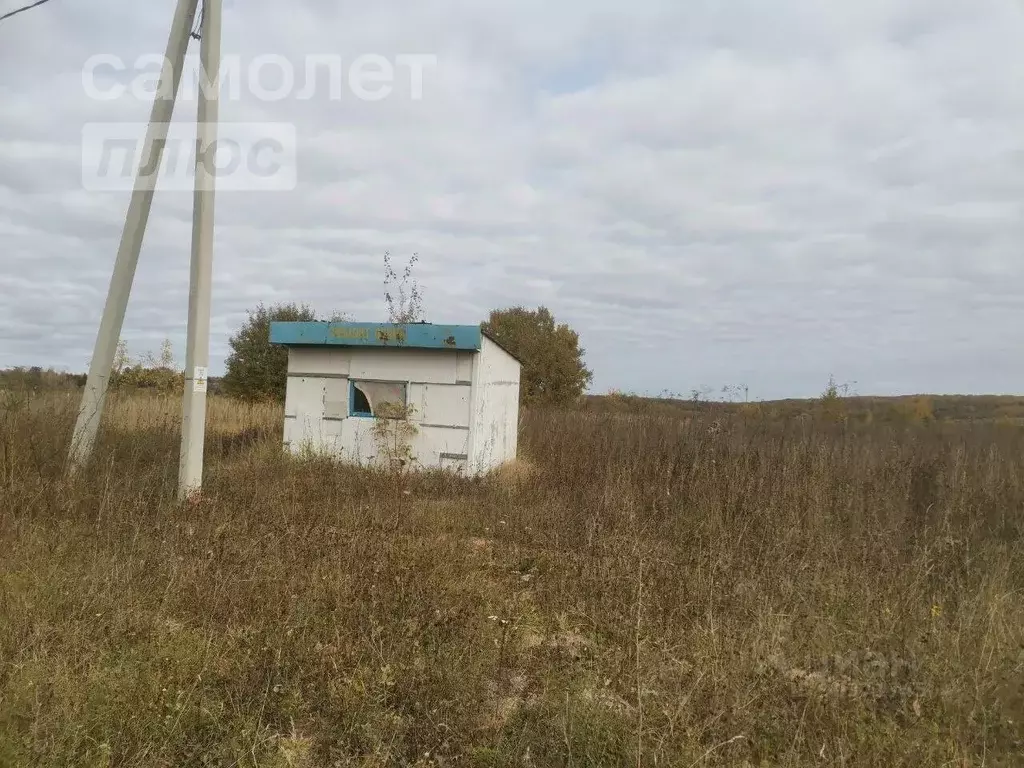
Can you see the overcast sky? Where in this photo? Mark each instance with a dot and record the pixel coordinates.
(712, 192)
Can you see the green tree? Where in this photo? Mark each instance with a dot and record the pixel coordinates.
(553, 371)
(257, 369)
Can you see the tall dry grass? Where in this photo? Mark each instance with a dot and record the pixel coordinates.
(635, 591)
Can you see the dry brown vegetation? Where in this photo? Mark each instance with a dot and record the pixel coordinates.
(639, 590)
(905, 410)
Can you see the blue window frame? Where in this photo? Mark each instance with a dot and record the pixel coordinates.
(365, 398)
(358, 404)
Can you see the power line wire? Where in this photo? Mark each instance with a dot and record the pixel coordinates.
(195, 34)
(24, 8)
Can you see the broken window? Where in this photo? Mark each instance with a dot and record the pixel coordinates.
(383, 399)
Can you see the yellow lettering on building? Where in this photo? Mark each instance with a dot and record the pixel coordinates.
(342, 332)
(387, 335)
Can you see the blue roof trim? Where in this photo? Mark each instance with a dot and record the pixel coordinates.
(411, 335)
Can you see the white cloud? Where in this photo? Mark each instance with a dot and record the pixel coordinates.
(709, 192)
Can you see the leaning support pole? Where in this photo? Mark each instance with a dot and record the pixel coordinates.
(197, 349)
(93, 399)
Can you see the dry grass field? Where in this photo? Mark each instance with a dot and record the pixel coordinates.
(640, 590)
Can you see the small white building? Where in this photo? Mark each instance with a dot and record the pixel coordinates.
(456, 386)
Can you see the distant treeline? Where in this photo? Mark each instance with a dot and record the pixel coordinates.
(36, 379)
(918, 409)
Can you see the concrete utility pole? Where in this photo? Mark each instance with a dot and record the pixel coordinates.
(93, 399)
(197, 350)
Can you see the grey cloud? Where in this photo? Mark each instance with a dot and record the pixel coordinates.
(709, 192)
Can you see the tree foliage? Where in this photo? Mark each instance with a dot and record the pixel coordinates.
(158, 373)
(256, 369)
(553, 371)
